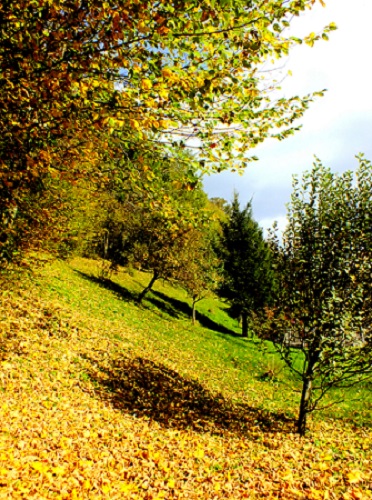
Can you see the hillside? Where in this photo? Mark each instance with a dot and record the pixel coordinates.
(103, 399)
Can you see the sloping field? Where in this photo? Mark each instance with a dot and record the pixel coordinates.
(102, 399)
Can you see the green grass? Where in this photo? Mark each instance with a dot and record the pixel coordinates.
(212, 352)
(102, 398)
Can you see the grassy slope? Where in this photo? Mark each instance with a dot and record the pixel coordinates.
(103, 399)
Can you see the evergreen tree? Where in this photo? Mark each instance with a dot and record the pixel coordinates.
(248, 279)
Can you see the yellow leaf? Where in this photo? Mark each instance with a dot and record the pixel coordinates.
(146, 84)
(164, 123)
(171, 483)
(125, 487)
(134, 124)
(287, 475)
(358, 494)
(321, 466)
(163, 93)
(87, 484)
(167, 72)
(199, 454)
(316, 494)
(355, 476)
(74, 494)
(161, 495)
(142, 27)
(59, 471)
(39, 466)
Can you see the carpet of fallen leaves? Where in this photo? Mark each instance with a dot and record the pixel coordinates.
(84, 417)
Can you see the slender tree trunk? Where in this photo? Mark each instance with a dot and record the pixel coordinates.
(105, 244)
(193, 312)
(245, 325)
(148, 288)
(307, 388)
(304, 406)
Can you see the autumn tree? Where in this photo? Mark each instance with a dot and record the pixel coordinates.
(159, 231)
(78, 73)
(247, 276)
(324, 299)
(152, 242)
(200, 271)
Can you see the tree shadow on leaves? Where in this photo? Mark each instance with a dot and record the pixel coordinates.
(10, 346)
(179, 306)
(146, 389)
(119, 290)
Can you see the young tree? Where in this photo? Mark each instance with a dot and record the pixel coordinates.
(200, 273)
(248, 278)
(76, 73)
(324, 302)
(159, 232)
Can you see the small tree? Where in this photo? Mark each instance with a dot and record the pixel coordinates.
(154, 233)
(199, 273)
(150, 241)
(248, 278)
(324, 302)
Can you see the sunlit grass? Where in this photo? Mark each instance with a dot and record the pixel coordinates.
(244, 370)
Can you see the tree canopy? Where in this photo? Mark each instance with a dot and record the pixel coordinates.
(248, 278)
(323, 305)
(84, 83)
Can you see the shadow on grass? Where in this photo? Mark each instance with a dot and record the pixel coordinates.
(179, 306)
(118, 290)
(168, 305)
(164, 306)
(145, 389)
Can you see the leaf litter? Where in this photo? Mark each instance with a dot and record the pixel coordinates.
(84, 415)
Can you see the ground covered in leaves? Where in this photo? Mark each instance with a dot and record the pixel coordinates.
(91, 409)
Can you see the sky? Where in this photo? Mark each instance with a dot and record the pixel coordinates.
(337, 126)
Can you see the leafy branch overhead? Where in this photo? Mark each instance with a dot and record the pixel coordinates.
(84, 83)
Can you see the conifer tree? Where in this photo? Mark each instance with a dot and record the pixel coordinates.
(248, 279)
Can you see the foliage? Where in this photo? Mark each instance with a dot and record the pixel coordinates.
(84, 83)
(248, 279)
(324, 301)
(200, 274)
(162, 232)
(97, 398)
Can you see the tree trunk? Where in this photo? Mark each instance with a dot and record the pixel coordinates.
(245, 325)
(105, 244)
(193, 312)
(304, 406)
(148, 288)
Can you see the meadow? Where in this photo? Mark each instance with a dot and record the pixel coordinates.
(103, 398)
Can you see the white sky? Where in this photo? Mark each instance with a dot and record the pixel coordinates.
(335, 128)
